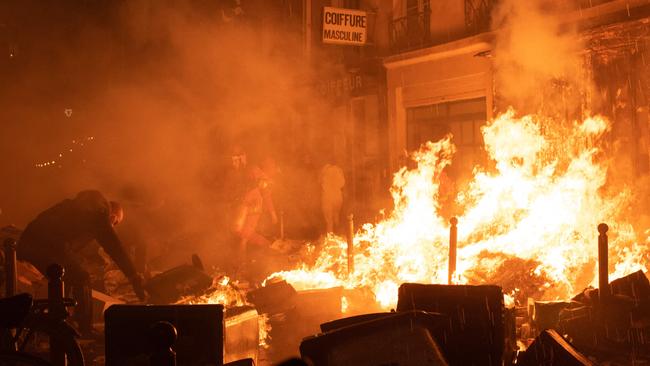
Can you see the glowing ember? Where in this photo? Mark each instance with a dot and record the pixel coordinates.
(264, 326)
(224, 291)
(529, 221)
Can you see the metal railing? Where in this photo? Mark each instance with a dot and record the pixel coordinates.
(414, 30)
(411, 32)
(478, 15)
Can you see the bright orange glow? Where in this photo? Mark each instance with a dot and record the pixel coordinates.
(532, 218)
(223, 291)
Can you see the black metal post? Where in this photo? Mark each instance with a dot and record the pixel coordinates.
(281, 224)
(604, 290)
(350, 237)
(162, 337)
(10, 267)
(453, 242)
(56, 310)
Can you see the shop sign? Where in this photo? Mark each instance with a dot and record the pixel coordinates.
(344, 26)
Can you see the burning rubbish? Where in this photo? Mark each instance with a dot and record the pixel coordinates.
(526, 224)
(539, 204)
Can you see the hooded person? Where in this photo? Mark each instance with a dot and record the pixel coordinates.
(60, 233)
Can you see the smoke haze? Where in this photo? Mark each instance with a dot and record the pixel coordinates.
(536, 57)
(143, 100)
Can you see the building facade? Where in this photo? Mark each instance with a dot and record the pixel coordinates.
(350, 79)
(440, 75)
(428, 70)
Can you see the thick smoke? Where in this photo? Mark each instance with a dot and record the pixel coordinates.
(543, 67)
(144, 100)
(537, 59)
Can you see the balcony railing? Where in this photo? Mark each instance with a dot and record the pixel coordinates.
(411, 32)
(414, 32)
(477, 15)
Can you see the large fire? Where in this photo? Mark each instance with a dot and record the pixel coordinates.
(527, 223)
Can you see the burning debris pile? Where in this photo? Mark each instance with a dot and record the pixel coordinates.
(534, 209)
(525, 223)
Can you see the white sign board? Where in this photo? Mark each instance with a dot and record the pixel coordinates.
(344, 26)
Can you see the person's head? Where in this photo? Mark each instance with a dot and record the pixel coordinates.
(238, 157)
(117, 213)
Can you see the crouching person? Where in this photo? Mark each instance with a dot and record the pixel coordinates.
(60, 233)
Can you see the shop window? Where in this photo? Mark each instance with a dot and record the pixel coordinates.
(463, 119)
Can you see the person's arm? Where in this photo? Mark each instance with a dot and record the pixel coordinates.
(107, 238)
(267, 198)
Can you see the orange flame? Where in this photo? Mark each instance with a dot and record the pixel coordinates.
(223, 291)
(528, 222)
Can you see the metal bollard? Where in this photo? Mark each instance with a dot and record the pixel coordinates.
(56, 310)
(162, 336)
(281, 225)
(453, 243)
(350, 237)
(10, 267)
(604, 290)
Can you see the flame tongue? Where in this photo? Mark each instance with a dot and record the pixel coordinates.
(532, 218)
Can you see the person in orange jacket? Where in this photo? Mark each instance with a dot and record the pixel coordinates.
(255, 201)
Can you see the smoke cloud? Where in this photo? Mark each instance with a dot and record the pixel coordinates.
(543, 67)
(144, 100)
(536, 56)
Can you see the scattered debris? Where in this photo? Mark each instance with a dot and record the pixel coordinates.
(171, 285)
(550, 349)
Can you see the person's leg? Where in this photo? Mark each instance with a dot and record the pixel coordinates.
(326, 206)
(336, 213)
(39, 253)
(247, 235)
(78, 281)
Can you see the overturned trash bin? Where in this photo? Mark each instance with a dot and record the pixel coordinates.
(242, 334)
(200, 333)
(403, 339)
(613, 329)
(184, 280)
(476, 315)
(550, 349)
(276, 297)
